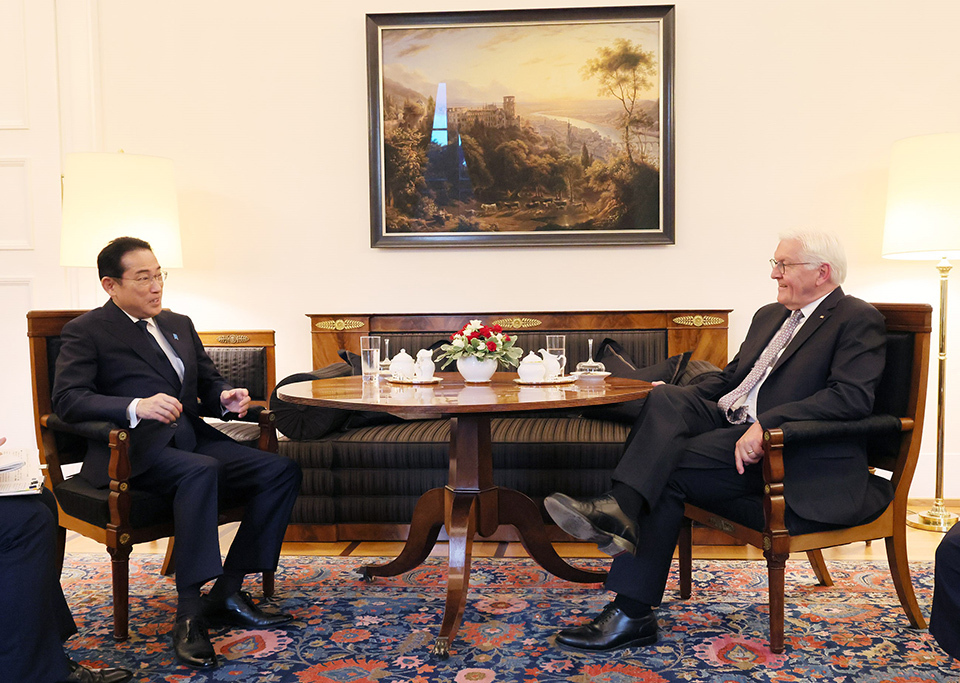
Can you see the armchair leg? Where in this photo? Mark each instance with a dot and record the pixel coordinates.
(169, 565)
(819, 567)
(775, 576)
(121, 591)
(900, 571)
(685, 558)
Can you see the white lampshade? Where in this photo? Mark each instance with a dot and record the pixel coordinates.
(117, 195)
(923, 199)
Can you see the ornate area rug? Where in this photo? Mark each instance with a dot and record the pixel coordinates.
(348, 631)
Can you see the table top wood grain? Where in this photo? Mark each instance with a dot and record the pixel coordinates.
(452, 396)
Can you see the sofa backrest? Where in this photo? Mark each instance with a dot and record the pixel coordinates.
(648, 336)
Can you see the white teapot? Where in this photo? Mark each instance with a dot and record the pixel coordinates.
(532, 368)
(402, 366)
(424, 365)
(551, 364)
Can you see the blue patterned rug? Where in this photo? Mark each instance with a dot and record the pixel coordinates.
(348, 631)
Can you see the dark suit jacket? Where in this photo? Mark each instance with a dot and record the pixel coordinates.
(105, 362)
(829, 371)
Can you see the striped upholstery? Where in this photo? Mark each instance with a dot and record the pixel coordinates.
(376, 474)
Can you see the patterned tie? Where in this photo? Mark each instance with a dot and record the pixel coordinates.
(738, 415)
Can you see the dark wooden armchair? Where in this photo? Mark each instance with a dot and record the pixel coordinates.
(893, 437)
(119, 516)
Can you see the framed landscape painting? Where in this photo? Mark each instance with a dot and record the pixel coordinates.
(522, 127)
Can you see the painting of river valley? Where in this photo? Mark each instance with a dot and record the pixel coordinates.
(522, 127)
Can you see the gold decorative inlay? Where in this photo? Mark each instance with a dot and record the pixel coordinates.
(339, 324)
(767, 544)
(698, 320)
(124, 539)
(233, 339)
(517, 323)
(122, 436)
(124, 486)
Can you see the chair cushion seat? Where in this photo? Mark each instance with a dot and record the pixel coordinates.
(81, 499)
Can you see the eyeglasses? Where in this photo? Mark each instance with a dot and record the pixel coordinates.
(782, 267)
(147, 280)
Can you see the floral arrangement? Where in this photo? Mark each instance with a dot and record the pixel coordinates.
(482, 341)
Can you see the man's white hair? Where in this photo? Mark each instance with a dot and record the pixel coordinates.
(817, 248)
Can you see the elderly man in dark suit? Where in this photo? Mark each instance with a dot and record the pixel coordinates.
(133, 363)
(816, 354)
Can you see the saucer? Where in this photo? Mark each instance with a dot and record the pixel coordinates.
(566, 379)
(432, 380)
(590, 376)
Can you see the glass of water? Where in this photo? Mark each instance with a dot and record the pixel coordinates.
(557, 345)
(370, 357)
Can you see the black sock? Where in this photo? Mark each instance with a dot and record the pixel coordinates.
(227, 584)
(188, 601)
(628, 499)
(632, 608)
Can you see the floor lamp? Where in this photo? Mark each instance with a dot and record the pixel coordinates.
(923, 223)
(115, 195)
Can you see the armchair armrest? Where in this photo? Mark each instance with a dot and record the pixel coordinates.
(117, 438)
(830, 430)
(99, 431)
(808, 431)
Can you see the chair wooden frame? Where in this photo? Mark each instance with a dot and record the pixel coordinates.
(248, 338)
(777, 543)
(119, 535)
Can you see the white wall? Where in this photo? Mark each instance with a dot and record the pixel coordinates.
(785, 116)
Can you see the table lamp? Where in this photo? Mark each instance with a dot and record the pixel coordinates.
(115, 195)
(923, 223)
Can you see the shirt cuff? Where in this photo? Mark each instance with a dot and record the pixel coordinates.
(132, 413)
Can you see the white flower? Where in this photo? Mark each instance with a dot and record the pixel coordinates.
(458, 342)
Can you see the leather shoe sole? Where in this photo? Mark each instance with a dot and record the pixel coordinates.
(610, 630)
(81, 674)
(564, 511)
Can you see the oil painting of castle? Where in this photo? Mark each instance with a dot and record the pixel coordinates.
(522, 127)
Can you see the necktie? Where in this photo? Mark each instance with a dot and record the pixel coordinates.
(162, 357)
(738, 415)
(154, 344)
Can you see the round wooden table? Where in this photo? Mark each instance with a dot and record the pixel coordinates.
(470, 503)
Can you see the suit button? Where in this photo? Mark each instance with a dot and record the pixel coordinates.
(173, 425)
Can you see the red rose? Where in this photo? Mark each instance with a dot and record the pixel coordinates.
(491, 346)
(506, 337)
(497, 329)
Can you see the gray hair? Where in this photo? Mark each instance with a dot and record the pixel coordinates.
(818, 248)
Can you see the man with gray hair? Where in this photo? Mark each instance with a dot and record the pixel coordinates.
(816, 354)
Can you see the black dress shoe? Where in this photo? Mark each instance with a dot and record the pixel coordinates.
(611, 630)
(192, 645)
(239, 610)
(599, 520)
(82, 674)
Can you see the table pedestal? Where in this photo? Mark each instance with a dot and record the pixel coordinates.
(470, 504)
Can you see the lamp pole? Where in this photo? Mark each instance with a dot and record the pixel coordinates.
(937, 518)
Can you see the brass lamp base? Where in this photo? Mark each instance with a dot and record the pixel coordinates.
(934, 519)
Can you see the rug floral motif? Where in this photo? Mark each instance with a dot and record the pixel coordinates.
(349, 631)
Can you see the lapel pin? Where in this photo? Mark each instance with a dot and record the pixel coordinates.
(178, 338)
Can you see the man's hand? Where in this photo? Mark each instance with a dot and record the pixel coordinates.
(160, 407)
(749, 448)
(236, 401)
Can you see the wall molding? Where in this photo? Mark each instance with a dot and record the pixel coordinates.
(12, 46)
(23, 190)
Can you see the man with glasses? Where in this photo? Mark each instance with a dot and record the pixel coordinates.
(132, 363)
(816, 354)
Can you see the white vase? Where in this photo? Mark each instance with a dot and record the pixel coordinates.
(476, 371)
